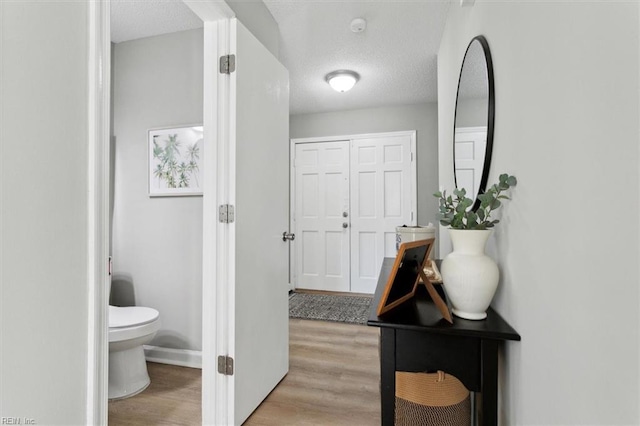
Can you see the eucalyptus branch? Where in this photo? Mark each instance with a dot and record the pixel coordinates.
(458, 214)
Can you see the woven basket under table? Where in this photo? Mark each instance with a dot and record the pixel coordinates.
(431, 399)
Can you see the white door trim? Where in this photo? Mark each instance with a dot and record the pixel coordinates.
(215, 15)
(292, 209)
(216, 249)
(350, 138)
(213, 241)
(98, 146)
(471, 129)
(411, 133)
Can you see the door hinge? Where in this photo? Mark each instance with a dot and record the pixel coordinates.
(227, 64)
(225, 365)
(226, 213)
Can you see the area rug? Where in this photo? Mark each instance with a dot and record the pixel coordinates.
(324, 307)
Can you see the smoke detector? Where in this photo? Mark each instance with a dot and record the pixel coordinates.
(358, 25)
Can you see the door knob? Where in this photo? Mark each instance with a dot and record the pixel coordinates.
(345, 214)
(345, 225)
(288, 236)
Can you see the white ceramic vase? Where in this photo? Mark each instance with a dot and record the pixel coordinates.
(470, 277)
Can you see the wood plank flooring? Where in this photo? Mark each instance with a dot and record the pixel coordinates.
(333, 380)
(172, 398)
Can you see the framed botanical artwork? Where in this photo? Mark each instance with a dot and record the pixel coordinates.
(175, 161)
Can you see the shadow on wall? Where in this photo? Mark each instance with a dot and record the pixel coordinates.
(122, 292)
(170, 339)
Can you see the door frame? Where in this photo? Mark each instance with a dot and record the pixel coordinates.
(216, 252)
(350, 138)
(98, 236)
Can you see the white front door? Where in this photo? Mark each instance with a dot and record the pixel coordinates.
(470, 147)
(349, 197)
(321, 215)
(383, 197)
(258, 292)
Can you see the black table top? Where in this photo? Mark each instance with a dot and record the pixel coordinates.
(420, 314)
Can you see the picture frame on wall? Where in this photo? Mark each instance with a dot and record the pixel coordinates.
(175, 161)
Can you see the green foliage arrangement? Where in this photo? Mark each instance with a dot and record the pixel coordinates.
(456, 212)
(173, 168)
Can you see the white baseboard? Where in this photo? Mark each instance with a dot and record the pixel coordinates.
(181, 357)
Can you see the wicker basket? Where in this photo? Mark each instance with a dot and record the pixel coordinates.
(431, 399)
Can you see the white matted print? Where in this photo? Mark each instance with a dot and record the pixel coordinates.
(175, 161)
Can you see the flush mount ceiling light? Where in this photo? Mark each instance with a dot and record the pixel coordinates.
(342, 80)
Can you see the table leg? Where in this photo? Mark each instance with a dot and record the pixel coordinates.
(388, 375)
(489, 380)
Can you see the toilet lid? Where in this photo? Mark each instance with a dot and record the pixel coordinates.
(130, 316)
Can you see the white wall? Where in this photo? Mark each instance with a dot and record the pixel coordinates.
(422, 118)
(43, 208)
(567, 81)
(157, 242)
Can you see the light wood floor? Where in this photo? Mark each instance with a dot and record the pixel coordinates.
(333, 380)
(172, 398)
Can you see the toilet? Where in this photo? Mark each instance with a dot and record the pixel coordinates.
(129, 328)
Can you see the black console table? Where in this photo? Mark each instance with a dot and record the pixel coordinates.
(414, 337)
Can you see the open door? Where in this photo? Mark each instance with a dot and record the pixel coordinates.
(259, 182)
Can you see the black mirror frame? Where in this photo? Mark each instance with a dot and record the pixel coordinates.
(490, 118)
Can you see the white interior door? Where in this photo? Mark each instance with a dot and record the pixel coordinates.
(470, 147)
(382, 197)
(321, 248)
(259, 136)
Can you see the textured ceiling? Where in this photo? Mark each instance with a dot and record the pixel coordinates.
(395, 56)
(133, 19)
(474, 76)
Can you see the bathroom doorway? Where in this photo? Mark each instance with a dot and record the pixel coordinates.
(245, 121)
(156, 209)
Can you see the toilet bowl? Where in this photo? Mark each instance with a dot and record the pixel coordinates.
(129, 328)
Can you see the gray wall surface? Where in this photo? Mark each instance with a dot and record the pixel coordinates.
(43, 212)
(255, 16)
(567, 244)
(157, 242)
(423, 118)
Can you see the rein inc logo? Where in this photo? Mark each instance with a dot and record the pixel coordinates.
(17, 421)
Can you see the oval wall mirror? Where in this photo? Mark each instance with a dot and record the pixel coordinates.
(473, 122)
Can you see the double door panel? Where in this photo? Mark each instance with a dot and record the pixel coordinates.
(349, 198)
(381, 191)
(322, 215)
(470, 147)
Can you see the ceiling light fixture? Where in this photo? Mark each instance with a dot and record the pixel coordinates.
(342, 80)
